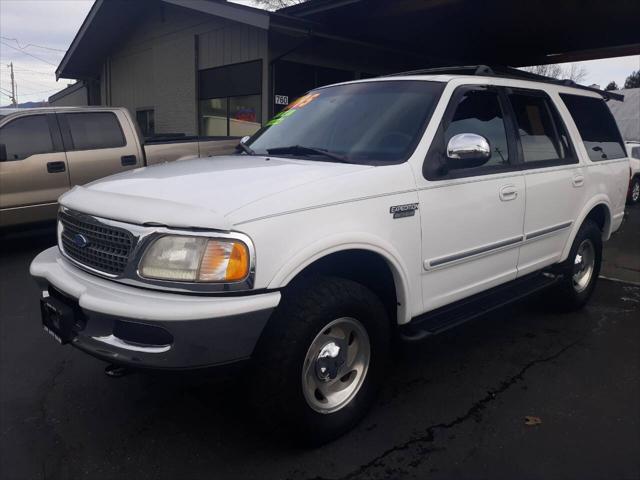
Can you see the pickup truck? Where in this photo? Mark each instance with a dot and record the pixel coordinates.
(46, 151)
(367, 214)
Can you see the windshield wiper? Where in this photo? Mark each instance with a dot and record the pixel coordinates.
(245, 148)
(301, 150)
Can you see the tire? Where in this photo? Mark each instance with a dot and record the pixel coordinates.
(581, 269)
(634, 191)
(304, 331)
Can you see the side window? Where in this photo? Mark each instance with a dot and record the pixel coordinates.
(93, 130)
(26, 136)
(541, 132)
(479, 112)
(596, 126)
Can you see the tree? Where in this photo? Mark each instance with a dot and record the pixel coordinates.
(633, 80)
(612, 86)
(277, 4)
(574, 72)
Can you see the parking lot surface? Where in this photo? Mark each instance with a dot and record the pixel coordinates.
(453, 407)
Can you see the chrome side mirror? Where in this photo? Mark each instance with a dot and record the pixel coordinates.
(468, 150)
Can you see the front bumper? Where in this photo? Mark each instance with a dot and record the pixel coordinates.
(151, 329)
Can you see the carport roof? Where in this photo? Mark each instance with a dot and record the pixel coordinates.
(436, 32)
(502, 32)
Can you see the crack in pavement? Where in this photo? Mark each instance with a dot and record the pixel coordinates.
(428, 434)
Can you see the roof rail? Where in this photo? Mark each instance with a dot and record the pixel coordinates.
(505, 72)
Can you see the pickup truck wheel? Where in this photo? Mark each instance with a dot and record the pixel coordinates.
(634, 191)
(321, 359)
(581, 269)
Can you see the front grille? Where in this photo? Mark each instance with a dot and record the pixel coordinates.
(107, 248)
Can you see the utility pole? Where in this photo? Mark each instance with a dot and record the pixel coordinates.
(14, 94)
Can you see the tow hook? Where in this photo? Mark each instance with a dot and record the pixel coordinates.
(116, 371)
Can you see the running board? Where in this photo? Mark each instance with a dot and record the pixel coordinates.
(449, 316)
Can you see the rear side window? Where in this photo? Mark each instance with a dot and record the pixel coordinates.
(542, 135)
(597, 127)
(26, 136)
(90, 131)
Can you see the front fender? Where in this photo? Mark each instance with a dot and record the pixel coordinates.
(351, 241)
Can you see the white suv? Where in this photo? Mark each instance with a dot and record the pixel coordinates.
(367, 211)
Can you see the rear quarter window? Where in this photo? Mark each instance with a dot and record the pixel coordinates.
(94, 130)
(596, 126)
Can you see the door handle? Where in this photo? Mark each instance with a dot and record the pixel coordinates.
(508, 192)
(128, 160)
(578, 180)
(56, 167)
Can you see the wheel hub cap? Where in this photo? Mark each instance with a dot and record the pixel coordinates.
(329, 361)
(336, 365)
(583, 265)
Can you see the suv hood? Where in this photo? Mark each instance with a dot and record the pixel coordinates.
(199, 192)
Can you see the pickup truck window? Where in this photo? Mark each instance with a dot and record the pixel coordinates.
(370, 122)
(26, 136)
(94, 130)
(479, 112)
(597, 127)
(541, 133)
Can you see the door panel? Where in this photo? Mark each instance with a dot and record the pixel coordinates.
(470, 237)
(471, 217)
(35, 171)
(554, 198)
(555, 181)
(97, 146)
(28, 182)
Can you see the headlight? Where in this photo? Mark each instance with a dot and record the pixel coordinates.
(195, 259)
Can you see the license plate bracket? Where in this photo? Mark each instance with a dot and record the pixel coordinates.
(58, 319)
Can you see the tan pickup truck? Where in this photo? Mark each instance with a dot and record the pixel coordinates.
(46, 151)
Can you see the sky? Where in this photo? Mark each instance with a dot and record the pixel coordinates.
(34, 35)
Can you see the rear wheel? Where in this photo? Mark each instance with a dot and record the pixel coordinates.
(321, 359)
(581, 269)
(634, 191)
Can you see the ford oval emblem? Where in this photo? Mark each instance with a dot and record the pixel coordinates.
(80, 240)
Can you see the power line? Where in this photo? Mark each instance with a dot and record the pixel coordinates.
(27, 53)
(31, 45)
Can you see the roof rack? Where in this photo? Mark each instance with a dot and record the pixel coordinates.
(505, 72)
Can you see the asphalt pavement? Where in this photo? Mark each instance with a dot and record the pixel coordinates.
(522, 393)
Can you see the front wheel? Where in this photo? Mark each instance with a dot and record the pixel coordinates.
(321, 359)
(581, 269)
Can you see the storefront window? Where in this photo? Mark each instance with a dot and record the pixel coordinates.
(244, 115)
(213, 117)
(231, 100)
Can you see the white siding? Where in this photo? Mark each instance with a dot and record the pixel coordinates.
(76, 98)
(156, 66)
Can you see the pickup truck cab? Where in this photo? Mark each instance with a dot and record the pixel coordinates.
(367, 212)
(46, 151)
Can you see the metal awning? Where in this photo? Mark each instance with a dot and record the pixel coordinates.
(503, 32)
(433, 32)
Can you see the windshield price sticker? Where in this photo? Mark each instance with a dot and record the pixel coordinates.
(282, 100)
(292, 108)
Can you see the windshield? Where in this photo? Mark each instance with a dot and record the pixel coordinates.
(370, 122)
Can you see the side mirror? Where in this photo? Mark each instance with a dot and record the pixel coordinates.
(468, 150)
(3, 152)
